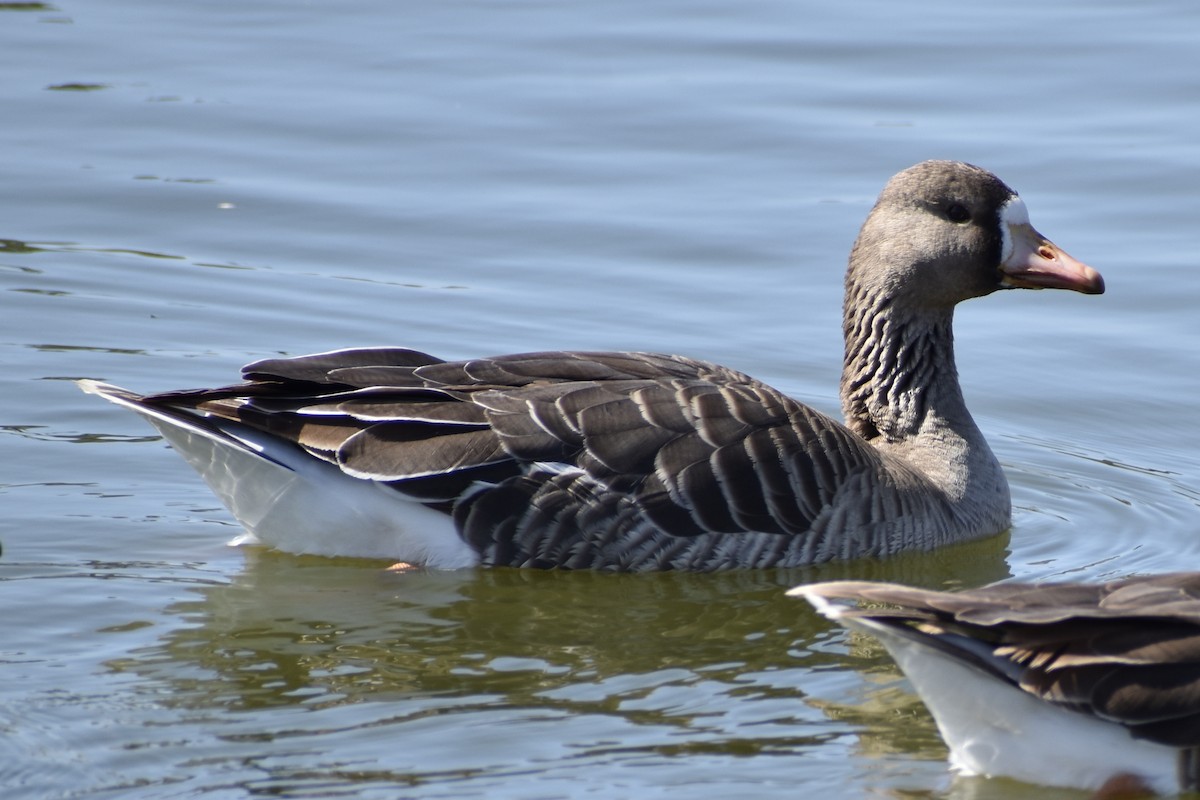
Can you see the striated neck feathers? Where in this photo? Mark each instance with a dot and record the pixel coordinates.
(898, 368)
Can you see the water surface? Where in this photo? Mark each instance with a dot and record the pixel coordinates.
(190, 187)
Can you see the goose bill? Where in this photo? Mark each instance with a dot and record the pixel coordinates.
(1034, 262)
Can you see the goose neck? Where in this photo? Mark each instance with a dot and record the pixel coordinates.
(899, 378)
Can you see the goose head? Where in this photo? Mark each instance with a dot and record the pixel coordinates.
(944, 231)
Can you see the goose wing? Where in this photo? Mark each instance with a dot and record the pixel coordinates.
(569, 445)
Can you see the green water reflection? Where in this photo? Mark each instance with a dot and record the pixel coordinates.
(588, 668)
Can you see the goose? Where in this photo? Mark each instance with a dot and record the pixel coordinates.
(641, 461)
(1087, 686)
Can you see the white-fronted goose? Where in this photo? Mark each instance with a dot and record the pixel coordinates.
(1063, 684)
(637, 461)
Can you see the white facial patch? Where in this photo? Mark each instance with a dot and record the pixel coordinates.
(1013, 212)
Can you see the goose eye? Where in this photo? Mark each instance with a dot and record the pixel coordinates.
(958, 213)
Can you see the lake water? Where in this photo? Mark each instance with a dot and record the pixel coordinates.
(191, 186)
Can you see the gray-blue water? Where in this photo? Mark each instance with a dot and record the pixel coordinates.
(186, 187)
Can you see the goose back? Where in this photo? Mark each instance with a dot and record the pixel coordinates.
(575, 459)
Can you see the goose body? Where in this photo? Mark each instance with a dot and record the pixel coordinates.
(1064, 684)
(640, 461)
